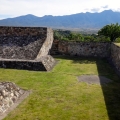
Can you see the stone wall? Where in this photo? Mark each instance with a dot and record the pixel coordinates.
(48, 42)
(44, 63)
(115, 56)
(88, 49)
(110, 51)
(54, 50)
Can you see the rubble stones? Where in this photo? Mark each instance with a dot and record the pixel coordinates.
(9, 94)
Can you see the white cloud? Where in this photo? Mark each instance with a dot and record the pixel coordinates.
(54, 7)
(95, 10)
(106, 6)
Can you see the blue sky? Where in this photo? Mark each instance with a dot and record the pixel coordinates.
(13, 8)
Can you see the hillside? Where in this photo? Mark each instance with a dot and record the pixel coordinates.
(80, 20)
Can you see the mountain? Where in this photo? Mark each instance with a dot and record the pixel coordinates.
(80, 20)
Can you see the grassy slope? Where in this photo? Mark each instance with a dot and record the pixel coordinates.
(57, 95)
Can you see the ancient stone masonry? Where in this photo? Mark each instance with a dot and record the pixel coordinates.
(45, 48)
(88, 49)
(21, 43)
(115, 56)
(44, 63)
(9, 94)
(23, 47)
(111, 51)
(54, 50)
(28, 48)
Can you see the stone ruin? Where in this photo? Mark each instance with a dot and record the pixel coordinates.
(9, 93)
(26, 48)
(10, 97)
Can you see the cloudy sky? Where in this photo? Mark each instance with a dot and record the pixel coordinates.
(13, 8)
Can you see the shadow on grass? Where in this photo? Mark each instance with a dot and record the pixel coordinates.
(111, 91)
(77, 59)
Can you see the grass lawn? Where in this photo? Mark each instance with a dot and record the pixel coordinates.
(58, 95)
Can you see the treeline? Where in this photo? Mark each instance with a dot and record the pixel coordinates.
(76, 36)
(109, 33)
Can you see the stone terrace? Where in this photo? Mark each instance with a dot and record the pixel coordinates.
(26, 48)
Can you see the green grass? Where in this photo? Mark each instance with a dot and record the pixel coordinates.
(57, 95)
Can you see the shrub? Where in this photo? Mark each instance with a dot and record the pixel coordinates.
(117, 40)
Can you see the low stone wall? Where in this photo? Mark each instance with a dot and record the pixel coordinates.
(44, 63)
(110, 51)
(87, 49)
(22, 65)
(9, 94)
(115, 56)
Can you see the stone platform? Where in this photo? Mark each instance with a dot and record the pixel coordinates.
(44, 63)
(10, 97)
(9, 93)
(26, 48)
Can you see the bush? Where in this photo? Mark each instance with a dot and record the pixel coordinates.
(117, 40)
(102, 39)
(75, 36)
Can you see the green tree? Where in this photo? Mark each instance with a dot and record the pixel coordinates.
(75, 36)
(112, 31)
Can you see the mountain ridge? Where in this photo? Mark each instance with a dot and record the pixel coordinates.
(79, 20)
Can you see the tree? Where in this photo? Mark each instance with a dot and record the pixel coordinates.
(112, 31)
(75, 36)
